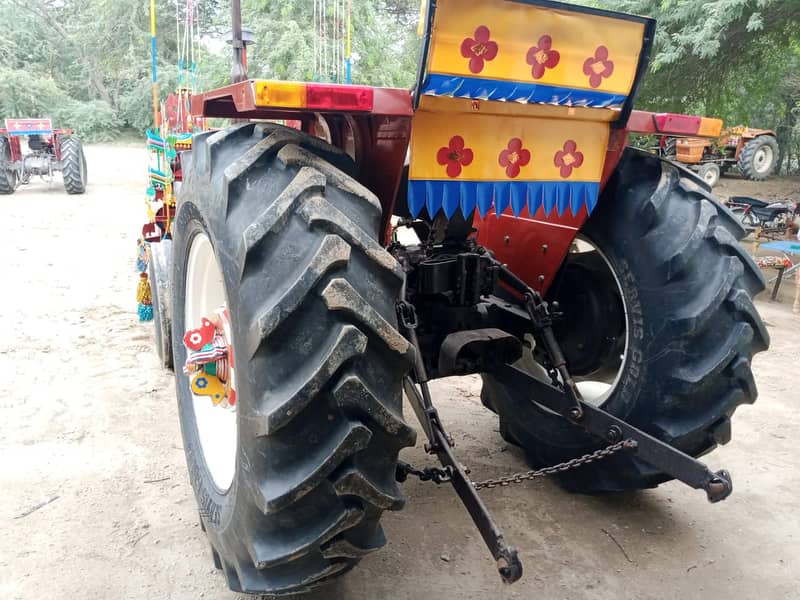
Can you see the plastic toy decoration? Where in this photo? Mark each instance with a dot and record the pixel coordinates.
(209, 360)
(204, 384)
(196, 339)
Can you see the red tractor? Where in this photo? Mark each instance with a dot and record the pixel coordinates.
(754, 152)
(492, 221)
(48, 151)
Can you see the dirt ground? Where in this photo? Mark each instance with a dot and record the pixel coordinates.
(97, 503)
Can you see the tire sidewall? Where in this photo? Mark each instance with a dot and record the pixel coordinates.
(159, 269)
(633, 380)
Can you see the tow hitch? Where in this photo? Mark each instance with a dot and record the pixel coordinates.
(560, 396)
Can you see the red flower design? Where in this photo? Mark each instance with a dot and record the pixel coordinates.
(455, 156)
(569, 158)
(598, 66)
(480, 49)
(514, 157)
(542, 56)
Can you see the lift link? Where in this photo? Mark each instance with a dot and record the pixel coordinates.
(651, 450)
(508, 564)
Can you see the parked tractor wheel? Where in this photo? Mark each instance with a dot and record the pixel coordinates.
(159, 269)
(8, 178)
(73, 165)
(670, 148)
(662, 272)
(291, 486)
(759, 158)
(710, 173)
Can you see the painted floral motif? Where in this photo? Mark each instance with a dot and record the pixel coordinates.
(569, 158)
(455, 156)
(598, 67)
(542, 56)
(479, 49)
(514, 157)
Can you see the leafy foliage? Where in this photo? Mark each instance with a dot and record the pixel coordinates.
(86, 63)
(737, 60)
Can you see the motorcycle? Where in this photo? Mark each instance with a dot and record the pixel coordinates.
(769, 216)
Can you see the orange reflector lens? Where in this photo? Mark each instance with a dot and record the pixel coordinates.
(280, 94)
(710, 127)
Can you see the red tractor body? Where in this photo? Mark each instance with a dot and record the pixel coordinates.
(49, 150)
(374, 126)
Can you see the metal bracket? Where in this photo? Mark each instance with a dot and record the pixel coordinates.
(661, 455)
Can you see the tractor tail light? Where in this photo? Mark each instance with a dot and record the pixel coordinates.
(669, 123)
(677, 124)
(340, 97)
(314, 96)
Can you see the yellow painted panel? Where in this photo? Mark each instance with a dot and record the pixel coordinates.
(516, 28)
(487, 137)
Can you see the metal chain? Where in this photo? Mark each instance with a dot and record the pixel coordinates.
(559, 468)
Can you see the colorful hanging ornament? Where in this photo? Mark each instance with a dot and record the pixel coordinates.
(142, 255)
(144, 296)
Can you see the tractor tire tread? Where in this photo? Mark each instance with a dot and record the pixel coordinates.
(703, 326)
(335, 372)
(73, 166)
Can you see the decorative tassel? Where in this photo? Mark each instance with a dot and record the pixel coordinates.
(144, 296)
(145, 312)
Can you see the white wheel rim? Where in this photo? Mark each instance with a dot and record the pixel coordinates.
(216, 426)
(763, 159)
(710, 177)
(597, 392)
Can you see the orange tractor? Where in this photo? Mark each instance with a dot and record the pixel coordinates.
(754, 151)
(492, 222)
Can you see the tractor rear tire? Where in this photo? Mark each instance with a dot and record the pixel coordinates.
(8, 178)
(759, 158)
(73, 165)
(318, 359)
(687, 316)
(160, 269)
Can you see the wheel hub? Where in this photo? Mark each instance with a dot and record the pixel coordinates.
(209, 361)
(594, 336)
(762, 159)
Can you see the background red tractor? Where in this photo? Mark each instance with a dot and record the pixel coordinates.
(754, 152)
(48, 151)
(491, 222)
